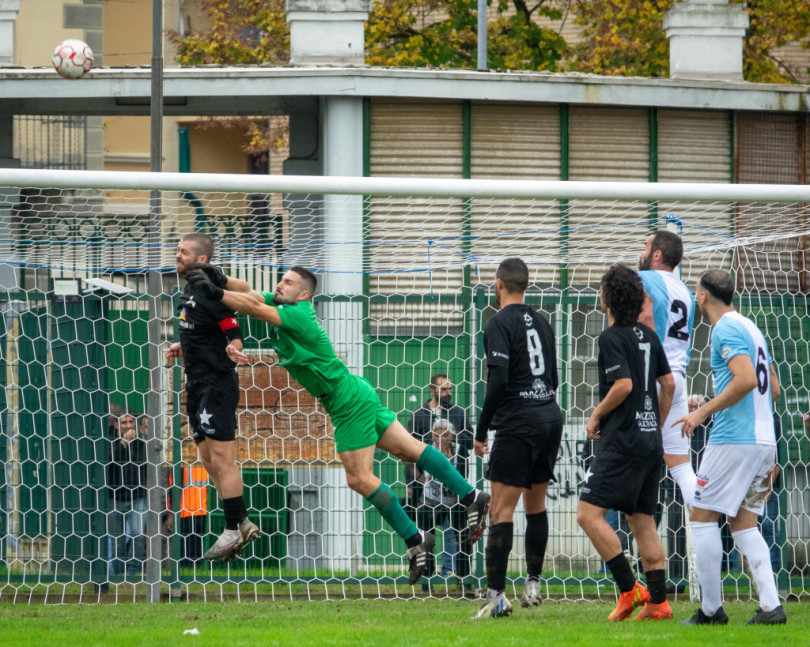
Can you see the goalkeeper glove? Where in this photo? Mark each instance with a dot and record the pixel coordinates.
(215, 273)
(199, 282)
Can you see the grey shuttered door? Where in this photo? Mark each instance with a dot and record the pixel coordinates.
(769, 151)
(695, 146)
(607, 144)
(515, 142)
(416, 139)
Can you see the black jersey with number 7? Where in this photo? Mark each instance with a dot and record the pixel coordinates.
(636, 353)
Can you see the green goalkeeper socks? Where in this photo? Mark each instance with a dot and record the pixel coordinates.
(436, 464)
(384, 500)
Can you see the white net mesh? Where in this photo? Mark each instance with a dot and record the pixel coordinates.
(406, 289)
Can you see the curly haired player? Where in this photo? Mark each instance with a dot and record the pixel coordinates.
(627, 468)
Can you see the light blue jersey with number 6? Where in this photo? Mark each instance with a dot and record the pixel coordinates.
(749, 421)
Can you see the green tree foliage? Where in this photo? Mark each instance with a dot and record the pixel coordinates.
(444, 33)
(622, 37)
(626, 37)
(238, 32)
(412, 33)
(774, 23)
(619, 37)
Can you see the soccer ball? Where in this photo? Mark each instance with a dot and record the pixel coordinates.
(72, 58)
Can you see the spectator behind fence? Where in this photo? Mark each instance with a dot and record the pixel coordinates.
(126, 481)
(441, 508)
(441, 406)
(193, 512)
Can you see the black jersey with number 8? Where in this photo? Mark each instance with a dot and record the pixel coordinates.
(521, 340)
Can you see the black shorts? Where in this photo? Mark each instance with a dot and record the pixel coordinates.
(211, 408)
(622, 482)
(524, 456)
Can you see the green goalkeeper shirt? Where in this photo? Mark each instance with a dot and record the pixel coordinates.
(304, 348)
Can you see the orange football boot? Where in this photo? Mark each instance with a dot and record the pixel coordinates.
(629, 601)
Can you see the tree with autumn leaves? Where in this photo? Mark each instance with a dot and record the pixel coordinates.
(444, 33)
(626, 37)
(409, 33)
(618, 37)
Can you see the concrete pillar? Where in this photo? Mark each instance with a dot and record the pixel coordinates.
(343, 229)
(327, 32)
(705, 39)
(8, 21)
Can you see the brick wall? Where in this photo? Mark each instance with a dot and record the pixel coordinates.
(278, 421)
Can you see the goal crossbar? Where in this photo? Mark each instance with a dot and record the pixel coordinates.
(405, 186)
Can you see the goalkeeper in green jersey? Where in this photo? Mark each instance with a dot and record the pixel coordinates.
(360, 421)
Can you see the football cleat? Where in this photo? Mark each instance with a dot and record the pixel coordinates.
(495, 606)
(652, 611)
(773, 617)
(477, 517)
(417, 557)
(225, 548)
(628, 601)
(249, 532)
(719, 617)
(531, 594)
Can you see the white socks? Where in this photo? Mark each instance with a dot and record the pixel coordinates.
(685, 477)
(755, 550)
(709, 561)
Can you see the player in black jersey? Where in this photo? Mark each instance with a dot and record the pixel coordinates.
(210, 345)
(521, 406)
(627, 468)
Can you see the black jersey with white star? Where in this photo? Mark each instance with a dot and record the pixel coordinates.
(636, 353)
(521, 340)
(206, 328)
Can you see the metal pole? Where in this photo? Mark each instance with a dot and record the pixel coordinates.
(482, 35)
(154, 555)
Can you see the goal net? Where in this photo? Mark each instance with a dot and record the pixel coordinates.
(89, 291)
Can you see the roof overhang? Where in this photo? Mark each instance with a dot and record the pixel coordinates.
(279, 90)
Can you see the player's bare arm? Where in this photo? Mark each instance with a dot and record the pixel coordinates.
(775, 386)
(480, 447)
(646, 316)
(234, 351)
(744, 381)
(175, 352)
(619, 390)
(220, 279)
(238, 285)
(244, 303)
(666, 391)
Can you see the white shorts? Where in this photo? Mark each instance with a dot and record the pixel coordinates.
(674, 442)
(731, 477)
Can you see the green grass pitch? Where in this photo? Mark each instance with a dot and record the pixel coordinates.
(390, 623)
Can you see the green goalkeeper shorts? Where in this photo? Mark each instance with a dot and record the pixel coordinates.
(358, 417)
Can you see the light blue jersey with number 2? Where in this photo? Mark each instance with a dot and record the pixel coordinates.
(750, 421)
(674, 314)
